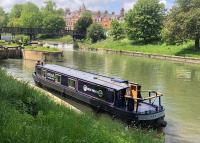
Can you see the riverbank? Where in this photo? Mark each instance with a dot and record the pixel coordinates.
(27, 115)
(7, 44)
(63, 39)
(42, 53)
(181, 53)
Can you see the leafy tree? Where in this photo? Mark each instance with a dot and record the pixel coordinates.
(30, 16)
(15, 15)
(95, 33)
(144, 22)
(83, 23)
(3, 17)
(117, 30)
(183, 23)
(52, 18)
(53, 22)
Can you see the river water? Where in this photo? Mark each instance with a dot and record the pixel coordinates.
(179, 82)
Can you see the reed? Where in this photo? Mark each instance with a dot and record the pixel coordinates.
(27, 115)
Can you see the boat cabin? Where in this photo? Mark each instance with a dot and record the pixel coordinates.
(118, 92)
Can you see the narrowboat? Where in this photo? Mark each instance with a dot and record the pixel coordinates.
(118, 97)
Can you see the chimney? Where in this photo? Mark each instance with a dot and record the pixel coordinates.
(99, 13)
(122, 12)
(106, 12)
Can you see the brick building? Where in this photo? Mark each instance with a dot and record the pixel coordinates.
(102, 18)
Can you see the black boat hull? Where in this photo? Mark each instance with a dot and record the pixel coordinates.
(131, 117)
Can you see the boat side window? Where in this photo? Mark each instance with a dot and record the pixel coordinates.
(44, 72)
(72, 83)
(58, 78)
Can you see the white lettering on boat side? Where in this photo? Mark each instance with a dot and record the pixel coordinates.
(99, 92)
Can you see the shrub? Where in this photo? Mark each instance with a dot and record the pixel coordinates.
(22, 39)
(95, 33)
(117, 30)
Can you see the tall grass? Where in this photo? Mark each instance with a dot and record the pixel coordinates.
(27, 116)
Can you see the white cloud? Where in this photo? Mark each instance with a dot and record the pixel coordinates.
(129, 4)
(75, 4)
(163, 1)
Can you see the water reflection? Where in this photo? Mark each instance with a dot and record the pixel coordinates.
(179, 82)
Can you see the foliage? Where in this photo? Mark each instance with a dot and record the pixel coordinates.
(83, 23)
(15, 15)
(3, 18)
(53, 22)
(50, 8)
(95, 33)
(30, 16)
(22, 39)
(117, 30)
(2, 41)
(183, 23)
(144, 22)
(52, 18)
(27, 115)
(42, 49)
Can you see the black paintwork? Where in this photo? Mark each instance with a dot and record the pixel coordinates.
(97, 95)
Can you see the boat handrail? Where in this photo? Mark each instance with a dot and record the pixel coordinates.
(158, 94)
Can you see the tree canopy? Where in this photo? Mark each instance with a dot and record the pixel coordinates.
(83, 23)
(3, 17)
(183, 22)
(31, 16)
(145, 20)
(52, 18)
(117, 30)
(15, 15)
(95, 33)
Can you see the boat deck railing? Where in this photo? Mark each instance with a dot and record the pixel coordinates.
(152, 96)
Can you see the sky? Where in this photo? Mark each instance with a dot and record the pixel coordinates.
(110, 5)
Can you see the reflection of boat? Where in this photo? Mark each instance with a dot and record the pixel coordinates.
(118, 97)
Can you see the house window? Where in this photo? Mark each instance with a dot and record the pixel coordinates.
(44, 73)
(72, 83)
(57, 78)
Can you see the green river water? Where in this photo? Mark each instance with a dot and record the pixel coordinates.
(179, 82)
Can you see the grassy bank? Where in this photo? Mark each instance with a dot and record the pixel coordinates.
(42, 49)
(64, 39)
(187, 49)
(27, 115)
(7, 44)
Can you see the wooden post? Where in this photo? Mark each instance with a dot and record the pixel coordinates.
(0, 36)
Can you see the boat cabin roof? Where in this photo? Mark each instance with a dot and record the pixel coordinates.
(109, 82)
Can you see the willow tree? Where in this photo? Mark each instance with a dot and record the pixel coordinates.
(183, 23)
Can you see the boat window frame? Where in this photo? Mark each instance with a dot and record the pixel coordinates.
(72, 79)
(44, 73)
(55, 75)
